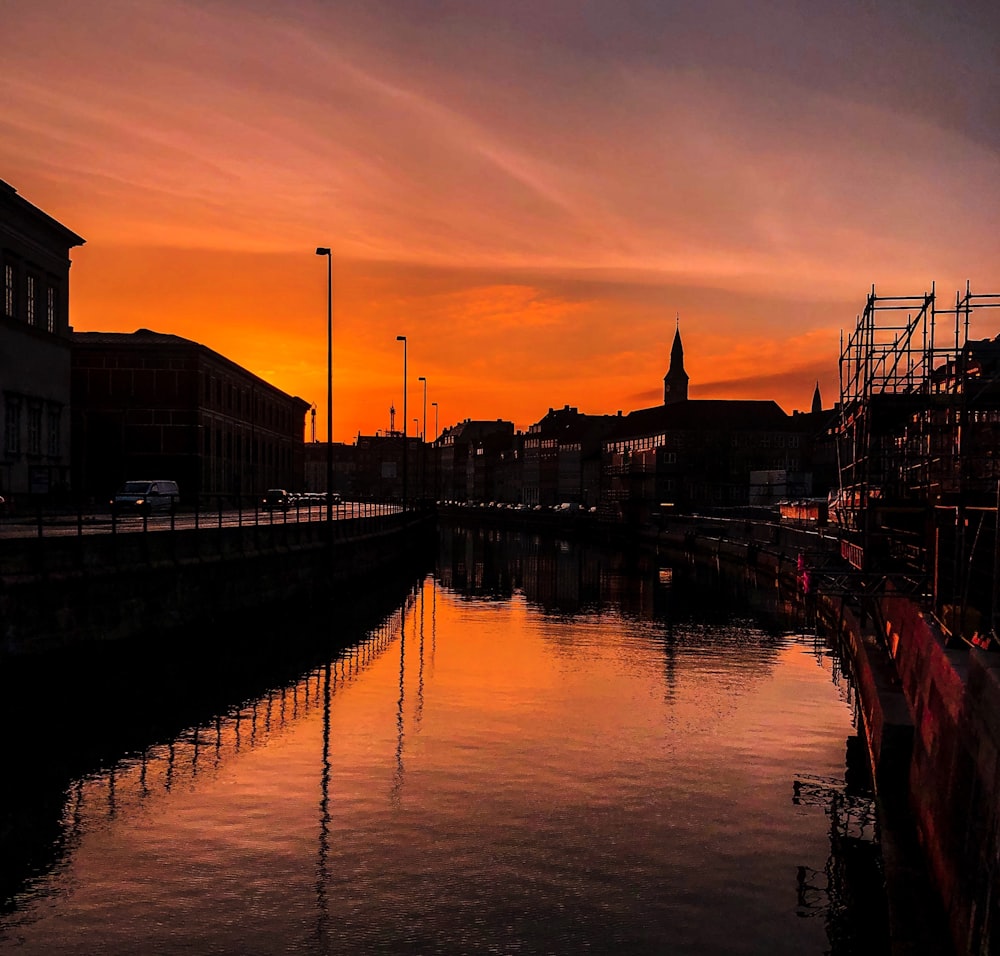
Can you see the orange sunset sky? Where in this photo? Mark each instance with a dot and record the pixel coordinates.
(529, 191)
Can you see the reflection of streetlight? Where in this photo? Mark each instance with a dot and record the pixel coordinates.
(321, 251)
(402, 338)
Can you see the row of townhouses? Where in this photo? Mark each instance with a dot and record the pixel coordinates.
(683, 453)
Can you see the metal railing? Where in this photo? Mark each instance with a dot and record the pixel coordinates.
(207, 511)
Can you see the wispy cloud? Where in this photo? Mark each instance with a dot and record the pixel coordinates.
(536, 191)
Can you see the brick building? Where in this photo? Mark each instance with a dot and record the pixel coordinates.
(154, 405)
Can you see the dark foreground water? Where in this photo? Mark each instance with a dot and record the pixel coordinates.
(539, 750)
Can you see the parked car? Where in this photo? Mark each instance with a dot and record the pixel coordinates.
(146, 497)
(275, 499)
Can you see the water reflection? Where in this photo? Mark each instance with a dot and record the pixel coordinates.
(540, 748)
(569, 578)
(198, 750)
(847, 894)
(94, 735)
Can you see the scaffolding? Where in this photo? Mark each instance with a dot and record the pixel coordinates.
(918, 438)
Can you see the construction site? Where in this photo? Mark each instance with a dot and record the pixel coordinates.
(917, 439)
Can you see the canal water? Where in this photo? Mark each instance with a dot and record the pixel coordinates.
(533, 748)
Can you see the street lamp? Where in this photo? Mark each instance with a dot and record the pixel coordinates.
(321, 251)
(423, 427)
(436, 458)
(423, 439)
(402, 338)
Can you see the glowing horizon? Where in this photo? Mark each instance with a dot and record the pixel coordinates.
(530, 198)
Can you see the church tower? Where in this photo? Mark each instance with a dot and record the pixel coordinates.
(817, 405)
(675, 382)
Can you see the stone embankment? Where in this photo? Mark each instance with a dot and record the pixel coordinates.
(931, 715)
(61, 592)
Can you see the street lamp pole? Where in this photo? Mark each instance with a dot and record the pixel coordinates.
(423, 442)
(436, 458)
(322, 251)
(402, 338)
(423, 424)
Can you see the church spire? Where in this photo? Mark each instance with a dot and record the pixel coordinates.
(675, 382)
(817, 405)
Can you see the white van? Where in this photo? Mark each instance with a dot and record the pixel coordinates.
(146, 497)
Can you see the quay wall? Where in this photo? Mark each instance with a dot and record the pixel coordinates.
(930, 713)
(60, 592)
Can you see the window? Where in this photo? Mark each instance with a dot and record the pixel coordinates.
(34, 429)
(53, 441)
(31, 300)
(9, 290)
(50, 312)
(12, 427)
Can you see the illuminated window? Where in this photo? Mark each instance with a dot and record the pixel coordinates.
(9, 290)
(34, 430)
(31, 300)
(12, 427)
(53, 431)
(50, 313)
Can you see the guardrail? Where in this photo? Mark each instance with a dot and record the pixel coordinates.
(208, 511)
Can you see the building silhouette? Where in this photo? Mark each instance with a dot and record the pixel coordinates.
(466, 454)
(675, 382)
(562, 457)
(704, 454)
(150, 405)
(35, 341)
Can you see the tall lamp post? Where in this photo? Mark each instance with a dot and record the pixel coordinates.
(402, 338)
(436, 458)
(321, 251)
(423, 441)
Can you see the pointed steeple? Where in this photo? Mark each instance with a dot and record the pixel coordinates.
(675, 382)
(817, 405)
